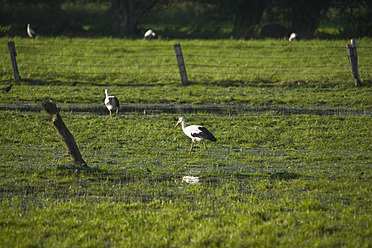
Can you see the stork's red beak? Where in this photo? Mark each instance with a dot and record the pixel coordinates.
(176, 125)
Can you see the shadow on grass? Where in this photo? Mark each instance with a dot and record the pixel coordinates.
(31, 81)
(282, 175)
(77, 169)
(259, 82)
(37, 81)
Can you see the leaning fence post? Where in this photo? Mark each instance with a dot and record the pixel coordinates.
(181, 63)
(352, 54)
(51, 108)
(13, 55)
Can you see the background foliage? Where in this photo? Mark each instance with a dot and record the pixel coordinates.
(189, 18)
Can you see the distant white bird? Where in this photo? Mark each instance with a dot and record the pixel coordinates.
(31, 33)
(112, 103)
(196, 133)
(293, 36)
(149, 34)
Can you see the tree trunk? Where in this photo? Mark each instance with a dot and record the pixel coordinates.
(247, 15)
(306, 16)
(127, 14)
(67, 138)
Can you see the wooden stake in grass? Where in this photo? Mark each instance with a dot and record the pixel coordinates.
(67, 138)
(13, 55)
(352, 54)
(181, 63)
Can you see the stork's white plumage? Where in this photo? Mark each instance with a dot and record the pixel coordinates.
(196, 133)
(31, 33)
(149, 34)
(293, 36)
(112, 103)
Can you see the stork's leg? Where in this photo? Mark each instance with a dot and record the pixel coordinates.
(192, 145)
(110, 113)
(117, 111)
(205, 147)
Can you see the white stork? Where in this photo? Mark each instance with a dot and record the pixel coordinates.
(31, 33)
(112, 103)
(196, 133)
(293, 36)
(149, 34)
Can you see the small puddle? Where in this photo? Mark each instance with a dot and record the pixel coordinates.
(190, 179)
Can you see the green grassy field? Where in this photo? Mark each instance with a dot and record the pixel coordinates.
(291, 166)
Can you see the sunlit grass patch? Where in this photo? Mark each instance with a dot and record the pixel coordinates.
(291, 166)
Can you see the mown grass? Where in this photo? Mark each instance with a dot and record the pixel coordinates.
(118, 61)
(222, 71)
(270, 180)
(291, 167)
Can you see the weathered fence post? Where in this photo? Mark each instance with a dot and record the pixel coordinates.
(13, 55)
(181, 63)
(352, 54)
(51, 108)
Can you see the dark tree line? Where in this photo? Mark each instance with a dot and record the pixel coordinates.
(301, 16)
(127, 14)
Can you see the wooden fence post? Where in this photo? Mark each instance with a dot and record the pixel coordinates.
(352, 54)
(181, 63)
(13, 55)
(51, 108)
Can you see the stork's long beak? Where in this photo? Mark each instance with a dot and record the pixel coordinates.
(176, 125)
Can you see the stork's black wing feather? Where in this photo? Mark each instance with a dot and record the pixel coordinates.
(114, 102)
(204, 134)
